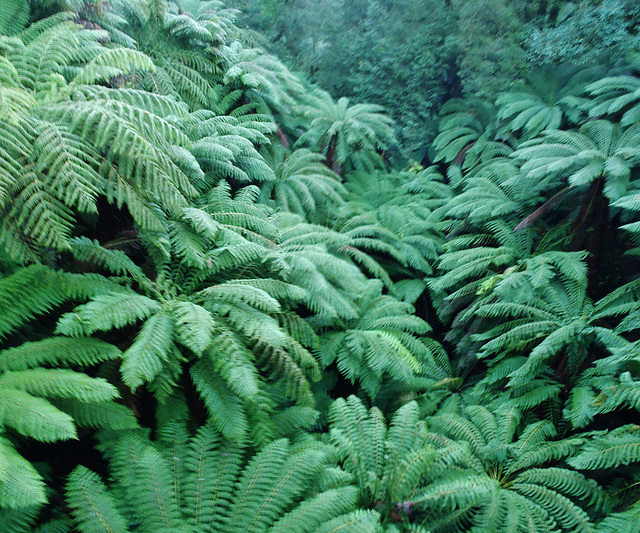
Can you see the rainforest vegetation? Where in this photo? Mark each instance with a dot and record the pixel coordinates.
(320, 266)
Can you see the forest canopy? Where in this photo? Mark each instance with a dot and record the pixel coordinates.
(293, 266)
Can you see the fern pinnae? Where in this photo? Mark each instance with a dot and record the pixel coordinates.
(59, 383)
(308, 516)
(143, 360)
(226, 410)
(563, 510)
(610, 449)
(22, 486)
(107, 311)
(92, 506)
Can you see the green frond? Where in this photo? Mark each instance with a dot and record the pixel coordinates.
(115, 261)
(620, 446)
(30, 291)
(143, 360)
(614, 94)
(281, 479)
(98, 415)
(224, 407)
(111, 63)
(22, 520)
(568, 482)
(34, 417)
(562, 509)
(313, 513)
(337, 128)
(618, 521)
(58, 383)
(13, 17)
(544, 452)
(214, 466)
(235, 362)
(93, 508)
(147, 482)
(194, 326)
(59, 351)
(360, 521)
(21, 486)
(302, 183)
(105, 312)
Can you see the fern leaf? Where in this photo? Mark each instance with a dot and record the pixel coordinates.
(58, 383)
(58, 351)
(34, 417)
(311, 514)
(143, 360)
(194, 326)
(269, 483)
(214, 465)
(225, 408)
(618, 447)
(93, 508)
(20, 484)
(31, 291)
(361, 521)
(98, 415)
(105, 312)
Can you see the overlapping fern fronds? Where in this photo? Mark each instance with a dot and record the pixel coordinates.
(496, 472)
(202, 482)
(68, 142)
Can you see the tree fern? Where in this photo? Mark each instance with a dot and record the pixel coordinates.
(212, 491)
(381, 340)
(615, 94)
(466, 133)
(226, 331)
(302, 183)
(77, 143)
(337, 128)
(44, 403)
(388, 462)
(600, 150)
(548, 100)
(495, 475)
(537, 326)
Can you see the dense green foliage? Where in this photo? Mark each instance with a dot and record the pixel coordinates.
(387, 52)
(222, 311)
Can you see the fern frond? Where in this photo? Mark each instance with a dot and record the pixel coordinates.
(98, 415)
(143, 360)
(21, 486)
(308, 516)
(58, 383)
(29, 292)
(105, 312)
(620, 446)
(59, 351)
(93, 508)
(281, 479)
(360, 521)
(34, 417)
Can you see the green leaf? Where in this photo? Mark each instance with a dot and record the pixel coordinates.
(144, 358)
(93, 508)
(20, 484)
(34, 417)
